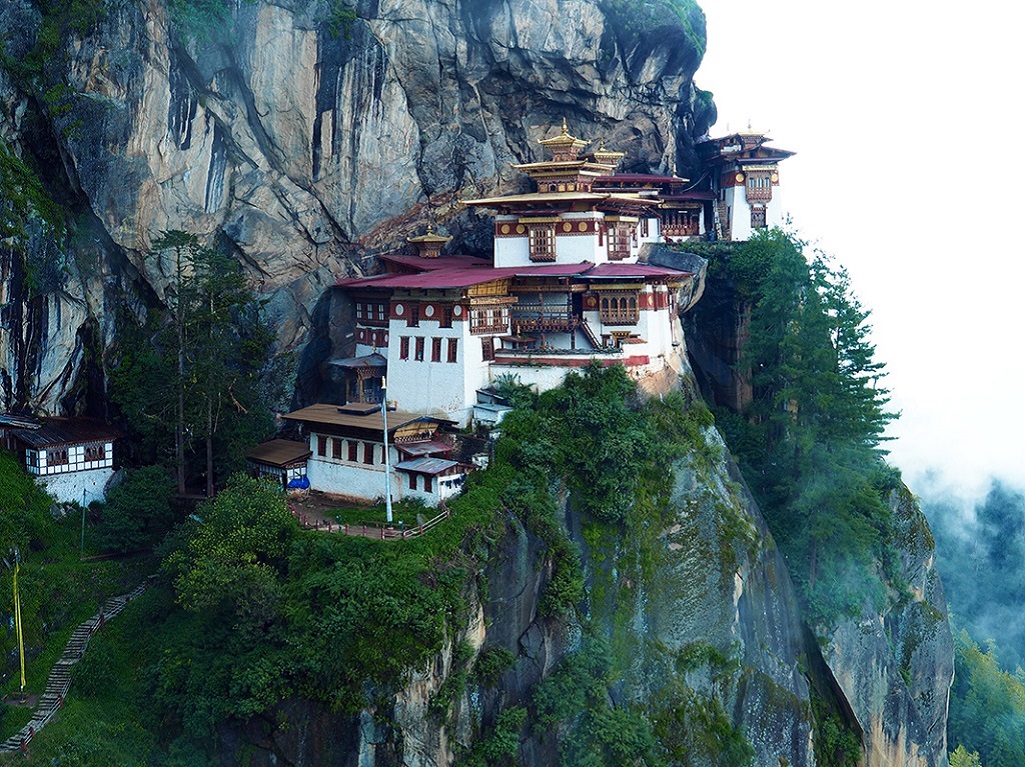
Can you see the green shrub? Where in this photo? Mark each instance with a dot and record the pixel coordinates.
(138, 512)
(491, 664)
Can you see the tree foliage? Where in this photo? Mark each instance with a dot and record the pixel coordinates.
(809, 439)
(987, 705)
(212, 349)
(981, 557)
(23, 506)
(138, 512)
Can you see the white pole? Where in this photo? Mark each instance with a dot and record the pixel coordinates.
(387, 462)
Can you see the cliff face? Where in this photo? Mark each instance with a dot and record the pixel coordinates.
(307, 141)
(705, 637)
(307, 136)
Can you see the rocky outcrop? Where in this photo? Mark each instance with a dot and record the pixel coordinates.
(307, 136)
(895, 667)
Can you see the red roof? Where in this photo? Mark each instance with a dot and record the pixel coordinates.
(621, 271)
(421, 264)
(464, 277)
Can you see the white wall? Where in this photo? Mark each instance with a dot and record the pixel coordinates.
(366, 481)
(76, 460)
(81, 486)
(423, 386)
(740, 213)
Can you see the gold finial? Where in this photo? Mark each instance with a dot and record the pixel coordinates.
(565, 130)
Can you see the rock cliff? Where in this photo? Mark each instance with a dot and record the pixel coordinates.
(306, 135)
(706, 639)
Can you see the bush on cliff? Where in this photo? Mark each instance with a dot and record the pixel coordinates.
(809, 440)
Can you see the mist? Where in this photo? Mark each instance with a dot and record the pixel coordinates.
(980, 549)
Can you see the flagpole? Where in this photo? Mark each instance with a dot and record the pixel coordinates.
(387, 462)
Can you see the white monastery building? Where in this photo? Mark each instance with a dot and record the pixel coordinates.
(72, 457)
(568, 286)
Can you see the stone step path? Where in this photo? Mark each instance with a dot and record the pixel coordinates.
(59, 681)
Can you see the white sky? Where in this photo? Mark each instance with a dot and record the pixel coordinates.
(909, 172)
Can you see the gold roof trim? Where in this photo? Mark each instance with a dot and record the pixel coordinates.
(429, 237)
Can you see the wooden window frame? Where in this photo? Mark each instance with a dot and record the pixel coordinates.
(419, 356)
(453, 350)
(445, 316)
(758, 218)
(353, 451)
(619, 242)
(487, 347)
(541, 241)
(404, 348)
(618, 308)
(336, 449)
(321, 446)
(435, 349)
(368, 453)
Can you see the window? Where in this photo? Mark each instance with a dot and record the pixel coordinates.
(321, 445)
(542, 242)
(353, 447)
(428, 483)
(336, 449)
(619, 242)
(412, 481)
(759, 185)
(493, 319)
(453, 349)
(413, 320)
(435, 350)
(619, 309)
(58, 457)
(487, 345)
(445, 318)
(368, 452)
(757, 218)
(404, 348)
(420, 350)
(94, 453)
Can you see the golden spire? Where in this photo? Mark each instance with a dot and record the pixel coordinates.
(564, 147)
(428, 245)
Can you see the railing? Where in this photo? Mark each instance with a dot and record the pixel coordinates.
(384, 531)
(391, 534)
(526, 354)
(539, 317)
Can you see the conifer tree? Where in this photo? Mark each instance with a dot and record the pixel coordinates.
(213, 348)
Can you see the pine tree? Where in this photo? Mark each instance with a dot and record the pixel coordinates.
(214, 349)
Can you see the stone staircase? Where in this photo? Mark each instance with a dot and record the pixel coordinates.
(59, 681)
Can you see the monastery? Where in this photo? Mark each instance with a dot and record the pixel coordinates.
(569, 285)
